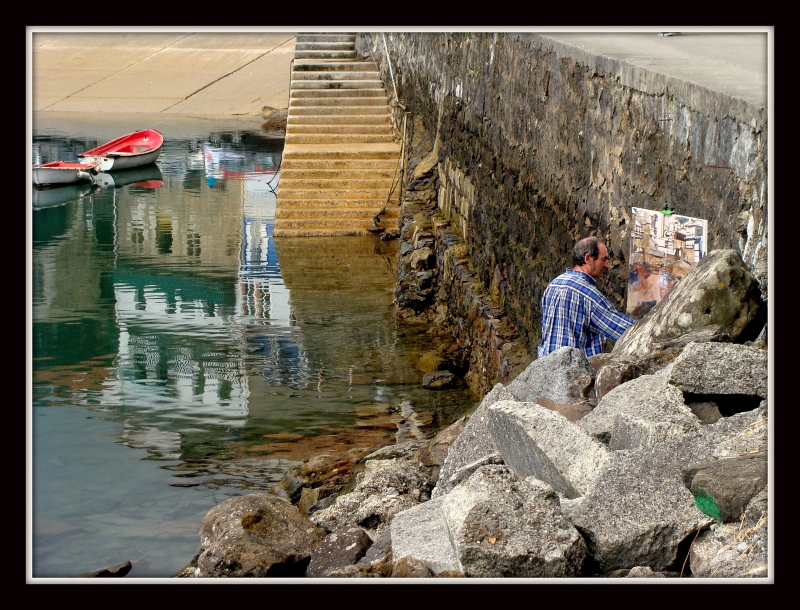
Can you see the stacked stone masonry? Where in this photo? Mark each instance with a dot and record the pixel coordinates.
(541, 143)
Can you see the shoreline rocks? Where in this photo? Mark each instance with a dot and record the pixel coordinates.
(661, 472)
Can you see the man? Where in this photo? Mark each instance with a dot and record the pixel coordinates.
(574, 311)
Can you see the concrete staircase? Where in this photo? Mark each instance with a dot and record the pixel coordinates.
(340, 158)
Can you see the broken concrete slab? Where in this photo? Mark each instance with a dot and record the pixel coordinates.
(563, 376)
(420, 532)
(538, 442)
(721, 368)
(638, 510)
(502, 526)
(640, 413)
(474, 442)
(735, 550)
(723, 488)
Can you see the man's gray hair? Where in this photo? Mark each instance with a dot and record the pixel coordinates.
(588, 245)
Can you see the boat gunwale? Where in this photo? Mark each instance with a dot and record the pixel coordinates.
(108, 147)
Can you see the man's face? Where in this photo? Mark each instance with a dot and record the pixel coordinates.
(599, 265)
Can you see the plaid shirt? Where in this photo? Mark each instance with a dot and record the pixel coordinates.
(576, 313)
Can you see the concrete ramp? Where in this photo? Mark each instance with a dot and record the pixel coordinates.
(341, 163)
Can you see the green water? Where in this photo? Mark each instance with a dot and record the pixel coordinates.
(182, 356)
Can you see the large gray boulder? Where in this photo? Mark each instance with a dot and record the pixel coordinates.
(752, 439)
(344, 546)
(538, 442)
(563, 376)
(723, 488)
(464, 472)
(257, 535)
(719, 290)
(735, 550)
(385, 488)
(615, 369)
(420, 532)
(501, 526)
(473, 444)
(640, 413)
(638, 510)
(721, 368)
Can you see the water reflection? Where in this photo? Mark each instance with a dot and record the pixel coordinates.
(55, 196)
(170, 325)
(148, 176)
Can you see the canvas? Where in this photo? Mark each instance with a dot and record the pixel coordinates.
(664, 248)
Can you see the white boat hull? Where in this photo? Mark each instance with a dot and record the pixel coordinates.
(59, 175)
(117, 161)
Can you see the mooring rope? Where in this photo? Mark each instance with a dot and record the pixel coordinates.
(398, 173)
(399, 169)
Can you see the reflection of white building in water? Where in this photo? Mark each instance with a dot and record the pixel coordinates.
(179, 333)
(262, 295)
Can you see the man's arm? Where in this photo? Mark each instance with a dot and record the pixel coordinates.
(606, 320)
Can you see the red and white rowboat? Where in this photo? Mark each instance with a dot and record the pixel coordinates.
(61, 172)
(132, 150)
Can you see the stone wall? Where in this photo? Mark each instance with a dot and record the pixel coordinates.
(541, 143)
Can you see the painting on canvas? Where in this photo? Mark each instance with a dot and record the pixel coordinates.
(664, 248)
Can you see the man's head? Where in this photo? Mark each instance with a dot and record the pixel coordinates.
(590, 255)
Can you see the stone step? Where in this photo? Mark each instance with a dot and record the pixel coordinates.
(339, 92)
(325, 204)
(287, 182)
(331, 118)
(339, 213)
(380, 150)
(334, 138)
(340, 162)
(338, 165)
(324, 45)
(331, 194)
(319, 224)
(326, 37)
(348, 75)
(334, 66)
(324, 54)
(314, 173)
(336, 111)
(298, 85)
(348, 128)
(288, 233)
(342, 102)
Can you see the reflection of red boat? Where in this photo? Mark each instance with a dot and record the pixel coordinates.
(147, 177)
(150, 184)
(61, 172)
(261, 170)
(131, 150)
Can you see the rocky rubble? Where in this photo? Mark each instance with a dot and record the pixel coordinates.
(546, 479)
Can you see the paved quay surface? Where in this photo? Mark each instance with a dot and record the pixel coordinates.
(238, 73)
(731, 63)
(203, 74)
(154, 76)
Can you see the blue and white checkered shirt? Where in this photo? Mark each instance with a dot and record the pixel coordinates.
(576, 313)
